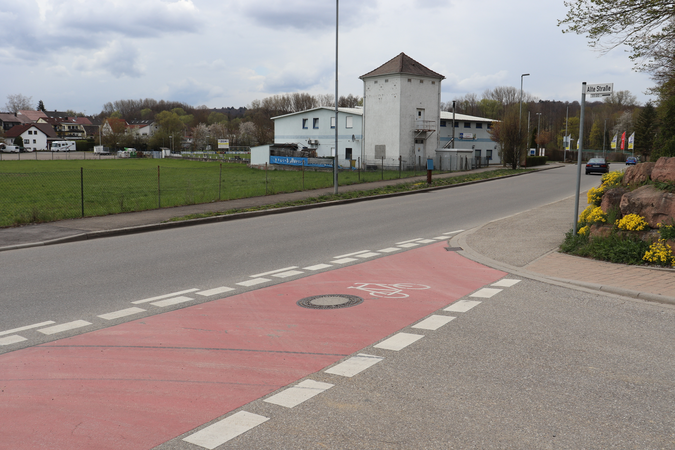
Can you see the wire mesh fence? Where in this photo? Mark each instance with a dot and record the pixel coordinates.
(33, 197)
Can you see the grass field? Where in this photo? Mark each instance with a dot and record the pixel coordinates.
(44, 191)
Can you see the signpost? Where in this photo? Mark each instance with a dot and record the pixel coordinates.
(223, 144)
(595, 90)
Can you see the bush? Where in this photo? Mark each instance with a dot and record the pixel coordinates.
(532, 161)
(83, 145)
(613, 248)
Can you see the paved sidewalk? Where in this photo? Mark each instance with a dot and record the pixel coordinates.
(526, 244)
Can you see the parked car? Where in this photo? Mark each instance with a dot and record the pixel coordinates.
(9, 148)
(631, 160)
(599, 165)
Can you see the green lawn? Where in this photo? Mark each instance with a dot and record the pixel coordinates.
(43, 191)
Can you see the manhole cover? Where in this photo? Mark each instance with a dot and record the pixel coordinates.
(330, 301)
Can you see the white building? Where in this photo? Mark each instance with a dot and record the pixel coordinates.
(36, 136)
(315, 129)
(401, 120)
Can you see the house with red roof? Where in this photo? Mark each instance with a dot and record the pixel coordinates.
(36, 136)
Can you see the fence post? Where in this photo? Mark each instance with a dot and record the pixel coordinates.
(303, 174)
(159, 191)
(359, 158)
(399, 166)
(265, 178)
(82, 188)
(220, 181)
(383, 168)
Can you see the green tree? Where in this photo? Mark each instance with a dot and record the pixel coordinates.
(508, 135)
(664, 144)
(645, 26)
(645, 130)
(216, 117)
(597, 130)
(41, 106)
(18, 141)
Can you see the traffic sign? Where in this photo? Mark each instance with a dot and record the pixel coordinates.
(599, 90)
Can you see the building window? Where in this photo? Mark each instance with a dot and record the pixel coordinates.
(304, 124)
(442, 123)
(477, 153)
(386, 80)
(409, 80)
(375, 82)
(332, 122)
(350, 122)
(348, 153)
(489, 125)
(421, 81)
(467, 124)
(479, 125)
(34, 141)
(488, 154)
(433, 82)
(315, 123)
(457, 124)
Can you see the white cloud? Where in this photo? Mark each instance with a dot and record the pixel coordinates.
(119, 58)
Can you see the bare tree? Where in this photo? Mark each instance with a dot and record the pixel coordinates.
(508, 135)
(18, 102)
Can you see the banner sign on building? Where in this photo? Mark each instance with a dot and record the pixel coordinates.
(292, 161)
(223, 144)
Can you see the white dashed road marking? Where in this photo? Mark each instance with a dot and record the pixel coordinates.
(462, 306)
(505, 283)
(453, 232)
(351, 254)
(343, 260)
(159, 297)
(228, 428)
(172, 301)
(433, 322)
(354, 365)
(389, 250)
(253, 282)
(409, 241)
(318, 267)
(285, 269)
(121, 313)
(27, 327)
(215, 291)
(485, 293)
(410, 244)
(399, 341)
(290, 273)
(302, 392)
(367, 255)
(65, 327)
(12, 340)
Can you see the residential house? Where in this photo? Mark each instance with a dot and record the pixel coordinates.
(36, 136)
(144, 128)
(471, 137)
(66, 127)
(8, 121)
(30, 116)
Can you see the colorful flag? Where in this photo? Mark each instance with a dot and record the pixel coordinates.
(631, 141)
(623, 141)
(616, 136)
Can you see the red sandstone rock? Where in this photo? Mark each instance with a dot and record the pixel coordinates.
(638, 173)
(612, 198)
(664, 170)
(654, 205)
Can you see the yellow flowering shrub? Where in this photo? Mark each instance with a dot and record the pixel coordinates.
(632, 222)
(592, 214)
(611, 179)
(584, 230)
(660, 253)
(594, 195)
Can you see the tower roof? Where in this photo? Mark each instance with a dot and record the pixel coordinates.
(403, 64)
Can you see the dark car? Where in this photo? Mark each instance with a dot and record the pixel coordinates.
(599, 165)
(631, 160)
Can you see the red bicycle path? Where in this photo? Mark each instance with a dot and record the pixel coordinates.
(139, 384)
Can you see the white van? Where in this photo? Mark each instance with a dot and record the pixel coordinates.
(9, 148)
(63, 146)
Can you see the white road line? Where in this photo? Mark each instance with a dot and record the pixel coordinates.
(171, 301)
(426, 241)
(225, 430)
(506, 282)
(462, 306)
(343, 260)
(453, 232)
(485, 293)
(440, 238)
(408, 245)
(65, 327)
(159, 297)
(318, 267)
(354, 365)
(121, 313)
(389, 250)
(433, 322)
(27, 327)
(399, 341)
(9, 340)
(290, 273)
(411, 240)
(302, 392)
(351, 254)
(215, 291)
(260, 275)
(367, 255)
(254, 282)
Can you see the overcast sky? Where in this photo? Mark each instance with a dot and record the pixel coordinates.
(80, 54)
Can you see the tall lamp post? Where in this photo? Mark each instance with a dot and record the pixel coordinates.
(538, 131)
(335, 160)
(520, 117)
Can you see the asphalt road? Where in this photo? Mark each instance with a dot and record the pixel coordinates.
(80, 281)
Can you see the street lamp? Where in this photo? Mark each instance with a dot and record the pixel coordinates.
(538, 131)
(520, 118)
(171, 142)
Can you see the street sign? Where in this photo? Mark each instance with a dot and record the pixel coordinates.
(599, 90)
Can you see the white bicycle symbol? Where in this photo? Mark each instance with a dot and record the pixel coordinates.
(388, 290)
